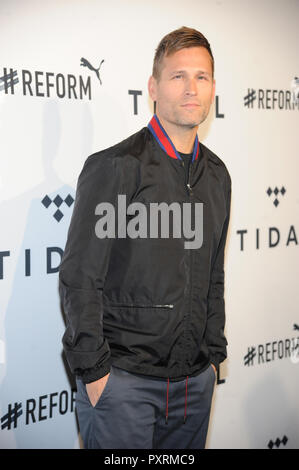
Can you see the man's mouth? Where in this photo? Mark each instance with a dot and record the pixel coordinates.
(190, 105)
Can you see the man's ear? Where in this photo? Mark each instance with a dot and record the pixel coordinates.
(152, 88)
(214, 90)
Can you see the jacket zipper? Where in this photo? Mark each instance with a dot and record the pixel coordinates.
(188, 185)
(144, 305)
(189, 192)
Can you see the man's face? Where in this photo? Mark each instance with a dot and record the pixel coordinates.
(185, 89)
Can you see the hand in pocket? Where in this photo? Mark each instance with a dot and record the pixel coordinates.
(96, 388)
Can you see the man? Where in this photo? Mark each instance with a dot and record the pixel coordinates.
(145, 315)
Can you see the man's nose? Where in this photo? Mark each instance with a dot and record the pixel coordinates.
(191, 87)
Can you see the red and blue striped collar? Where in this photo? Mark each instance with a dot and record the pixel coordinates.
(165, 142)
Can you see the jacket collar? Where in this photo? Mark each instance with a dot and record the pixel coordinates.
(165, 142)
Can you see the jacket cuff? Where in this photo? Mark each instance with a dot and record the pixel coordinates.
(91, 375)
(215, 363)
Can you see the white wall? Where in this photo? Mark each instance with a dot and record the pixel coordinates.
(44, 142)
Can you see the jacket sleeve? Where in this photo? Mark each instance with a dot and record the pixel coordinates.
(83, 269)
(214, 334)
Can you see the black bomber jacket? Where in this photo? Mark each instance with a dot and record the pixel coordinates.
(146, 304)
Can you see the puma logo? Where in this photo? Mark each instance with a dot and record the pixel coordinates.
(85, 63)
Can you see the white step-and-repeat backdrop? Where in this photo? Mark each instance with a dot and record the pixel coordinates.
(73, 80)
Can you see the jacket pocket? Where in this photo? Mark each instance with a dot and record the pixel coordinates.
(143, 331)
(168, 306)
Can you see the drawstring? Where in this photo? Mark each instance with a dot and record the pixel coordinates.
(185, 414)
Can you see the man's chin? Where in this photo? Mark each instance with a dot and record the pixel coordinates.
(191, 122)
(188, 122)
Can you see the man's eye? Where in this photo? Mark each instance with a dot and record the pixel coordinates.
(177, 76)
(202, 77)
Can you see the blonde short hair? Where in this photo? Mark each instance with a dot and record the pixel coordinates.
(175, 41)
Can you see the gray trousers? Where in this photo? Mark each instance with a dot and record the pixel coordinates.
(138, 412)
